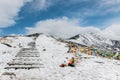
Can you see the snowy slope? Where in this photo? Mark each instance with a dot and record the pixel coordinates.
(87, 69)
(94, 68)
(54, 50)
(20, 41)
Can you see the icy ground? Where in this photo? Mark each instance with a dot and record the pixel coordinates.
(93, 68)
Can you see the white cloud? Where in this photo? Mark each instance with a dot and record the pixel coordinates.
(101, 8)
(62, 27)
(65, 28)
(41, 4)
(45, 4)
(9, 10)
(110, 6)
(110, 2)
(112, 32)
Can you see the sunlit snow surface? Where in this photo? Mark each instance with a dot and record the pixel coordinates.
(95, 68)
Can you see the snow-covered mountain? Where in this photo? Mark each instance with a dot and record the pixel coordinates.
(96, 40)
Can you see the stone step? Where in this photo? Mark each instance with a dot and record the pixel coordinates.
(19, 61)
(23, 67)
(27, 59)
(19, 58)
(28, 56)
(28, 51)
(23, 62)
(30, 64)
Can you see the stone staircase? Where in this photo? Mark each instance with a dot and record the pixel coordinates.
(26, 58)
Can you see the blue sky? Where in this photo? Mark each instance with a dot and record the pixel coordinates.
(23, 16)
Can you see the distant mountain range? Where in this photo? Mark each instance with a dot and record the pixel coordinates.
(95, 40)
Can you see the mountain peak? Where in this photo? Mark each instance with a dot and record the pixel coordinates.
(93, 39)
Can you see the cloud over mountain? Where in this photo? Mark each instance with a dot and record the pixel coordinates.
(65, 27)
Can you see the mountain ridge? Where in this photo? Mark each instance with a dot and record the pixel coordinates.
(95, 40)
